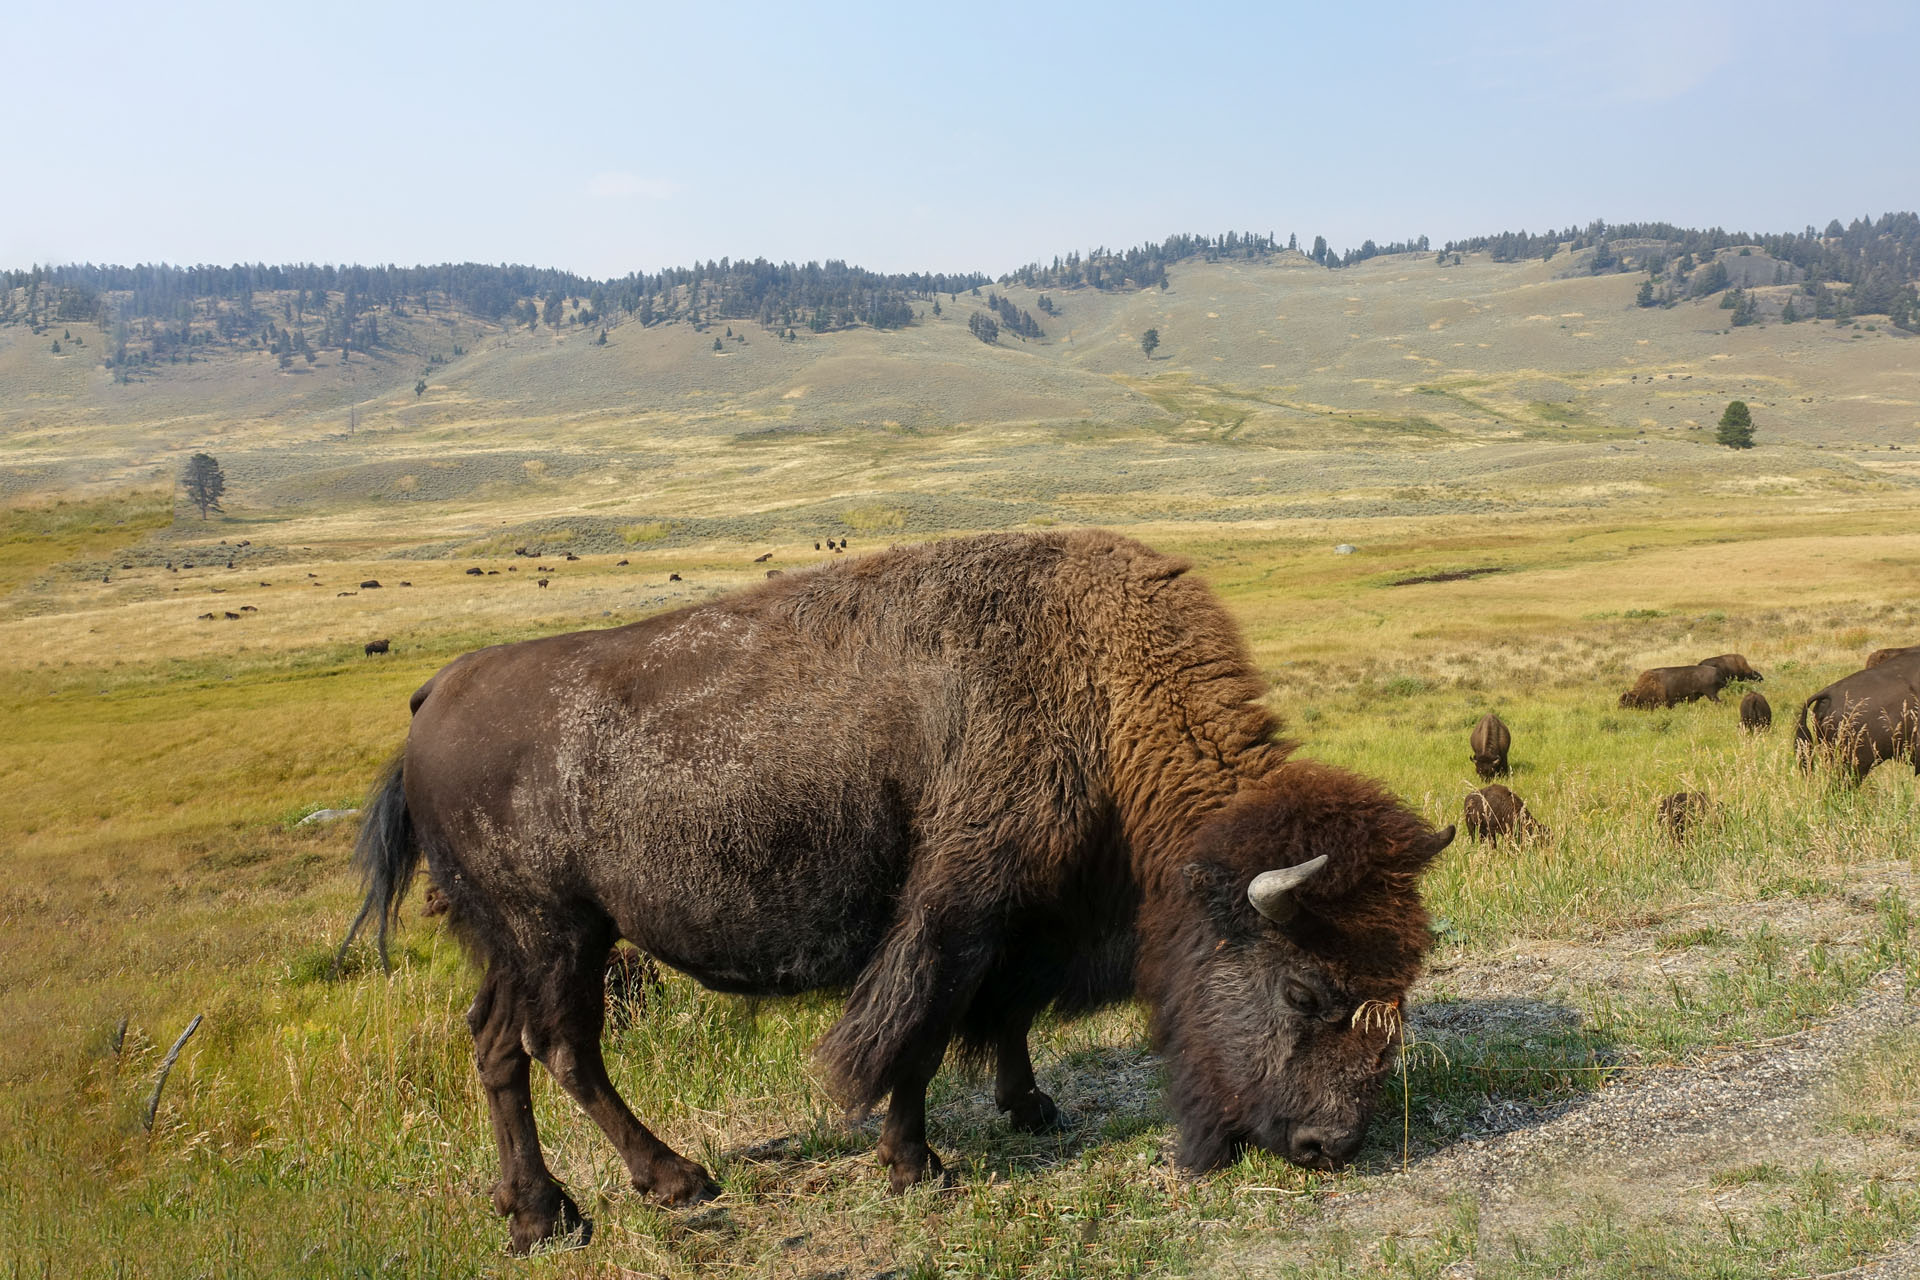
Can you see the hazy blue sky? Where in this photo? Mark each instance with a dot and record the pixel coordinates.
(607, 137)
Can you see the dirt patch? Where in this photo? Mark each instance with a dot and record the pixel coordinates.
(1457, 575)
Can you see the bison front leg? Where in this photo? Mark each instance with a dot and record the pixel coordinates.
(902, 1012)
(902, 1149)
(1014, 1089)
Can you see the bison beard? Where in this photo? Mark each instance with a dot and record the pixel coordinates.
(1032, 772)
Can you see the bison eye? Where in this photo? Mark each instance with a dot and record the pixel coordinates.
(1300, 998)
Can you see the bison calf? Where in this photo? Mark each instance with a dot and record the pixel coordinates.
(1495, 813)
(1682, 811)
(1756, 714)
(1665, 686)
(1489, 743)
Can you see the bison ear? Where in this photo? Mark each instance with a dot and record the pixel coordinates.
(1430, 848)
(1210, 886)
(1271, 892)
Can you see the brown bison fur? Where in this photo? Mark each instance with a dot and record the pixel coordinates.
(1756, 713)
(1665, 686)
(1733, 666)
(1682, 811)
(1495, 813)
(377, 646)
(1489, 744)
(1879, 656)
(1051, 782)
(1867, 717)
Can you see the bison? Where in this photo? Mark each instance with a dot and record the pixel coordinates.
(1733, 666)
(1879, 656)
(377, 646)
(1665, 686)
(1682, 811)
(1862, 719)
(1053, 783)
(1489, 742)
(1756, 713)
(1495, 813)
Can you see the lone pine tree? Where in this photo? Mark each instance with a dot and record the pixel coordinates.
(1736, 426)
(204, 482)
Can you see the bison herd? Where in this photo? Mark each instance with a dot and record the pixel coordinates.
(1855, 723)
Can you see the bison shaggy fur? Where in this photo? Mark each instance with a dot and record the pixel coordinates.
(1756, 713)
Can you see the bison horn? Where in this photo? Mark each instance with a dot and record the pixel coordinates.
(1270, 889)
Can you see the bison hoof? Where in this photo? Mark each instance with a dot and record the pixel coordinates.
(1032, 1112)
(911, 1165)
(678, 1181)
(557, 1221)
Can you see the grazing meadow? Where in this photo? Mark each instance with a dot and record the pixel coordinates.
(1506, 557)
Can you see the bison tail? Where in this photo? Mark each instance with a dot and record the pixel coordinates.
(385, 856)
(1802, 736)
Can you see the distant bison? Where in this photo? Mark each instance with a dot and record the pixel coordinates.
(1682, 811)
(376, 646)
(1756, 713)
(475, 573)
(1733, 666)
(1879, 656)
(1489, 743)
(370, 584)
(1665, 686)
(1495, 813)
(1037, 773)
(1865, 718)
(673, 577)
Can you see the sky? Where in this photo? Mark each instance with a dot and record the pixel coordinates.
(609, 138)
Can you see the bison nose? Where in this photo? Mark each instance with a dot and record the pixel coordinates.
(1322, 1147)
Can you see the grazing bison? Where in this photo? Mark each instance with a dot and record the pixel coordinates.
(1682, 811)
(673, 577)
(1879, 656)
(475, 573)
(1664, 686)
(1052, 784)
(1733, 666)
(1490, 741)
(370, 584)
(1865, 718)
(1756, 713)
(1495, 813)
(377, 646)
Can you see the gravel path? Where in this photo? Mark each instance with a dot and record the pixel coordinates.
(1651, 1137)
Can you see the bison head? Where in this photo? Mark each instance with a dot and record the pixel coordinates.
(1279, 962)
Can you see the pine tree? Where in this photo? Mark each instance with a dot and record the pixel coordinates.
(204, 482)
(1736, 426)
(1149, 341)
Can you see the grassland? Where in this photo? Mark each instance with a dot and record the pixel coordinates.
(156, 764)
